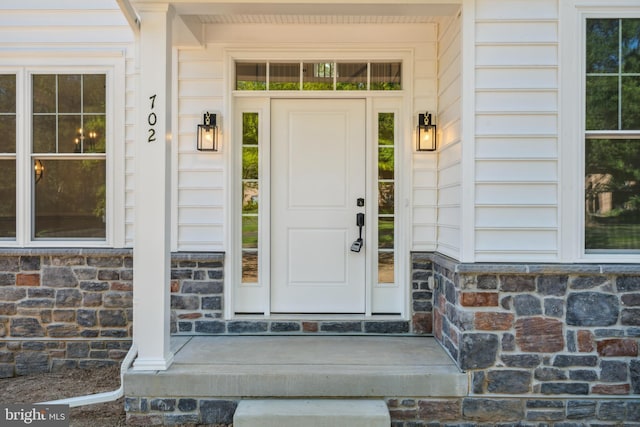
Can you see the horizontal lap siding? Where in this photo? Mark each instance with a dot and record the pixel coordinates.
(449, 122)
(516, 130)
(425, 178)
(200, 175)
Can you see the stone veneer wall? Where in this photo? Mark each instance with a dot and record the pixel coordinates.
(63, 308)
(542, 343)
(197, 305)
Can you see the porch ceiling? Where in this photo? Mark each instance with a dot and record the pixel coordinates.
(311, 11)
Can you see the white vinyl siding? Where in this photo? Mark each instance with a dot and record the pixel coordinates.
(200, 178)
(425, 178)
(516, 131)
(449, 176)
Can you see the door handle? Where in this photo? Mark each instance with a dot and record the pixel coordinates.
(357, 245)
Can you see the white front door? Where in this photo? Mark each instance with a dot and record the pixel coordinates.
(317, 176)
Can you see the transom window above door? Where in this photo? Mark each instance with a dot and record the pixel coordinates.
(326, 76)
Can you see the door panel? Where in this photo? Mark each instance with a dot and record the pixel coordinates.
(317, 174)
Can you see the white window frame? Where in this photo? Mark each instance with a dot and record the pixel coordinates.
(573, 16)
(112, 65)
(395, 101)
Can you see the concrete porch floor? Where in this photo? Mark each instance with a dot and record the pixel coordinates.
(293, 366)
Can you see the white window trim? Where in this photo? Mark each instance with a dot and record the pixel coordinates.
(573, 16)
(112, 64)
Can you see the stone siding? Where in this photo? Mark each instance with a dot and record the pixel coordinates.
(64, 308)
(197, 305)
(543, 330)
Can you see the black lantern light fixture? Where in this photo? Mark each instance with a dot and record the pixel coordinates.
(208, 133)
(426, 133)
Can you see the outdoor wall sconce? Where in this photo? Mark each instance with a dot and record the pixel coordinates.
(208, 133)
(38, 168)
(426, 133)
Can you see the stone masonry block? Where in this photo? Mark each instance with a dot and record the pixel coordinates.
(7, 308)
(210, 327)
(634, 371)
(587, 282)
(479, 299)
(613, 371)
(285, 327)
(580, 409)
(243, 327)
(612, 411)
(565, 388)
(478, 350)
(492, 321)
(205, 287)
(31, 362)
(517, 283)
(586, 341)
(217, 411)
(508, 381)
(521, 360)
(94, 286)
(341, 327)
(611, 389)
(7, 279)
(10, 263)
(631, 300)
(26, 327)
(110, 318)
(12, 294)
(628, 283)
(592, 309)
(493, 410)
(31, 279)
(185, 302)
(68, 298)
(539, 335)
(618, 348)
(59, 277)
(527, 305)
(553, 285)
(106, 261)
(65, 330)
(565, 360)
(112, 299)
(30, 263)
(630, 317)
(164, 405)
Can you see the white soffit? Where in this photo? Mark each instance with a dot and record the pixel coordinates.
(314, 19)
(308, 12)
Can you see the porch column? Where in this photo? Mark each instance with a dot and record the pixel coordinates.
(151, 253)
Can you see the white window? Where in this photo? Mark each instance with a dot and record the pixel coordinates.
(612, 135)
(57, 156)
(68, 150)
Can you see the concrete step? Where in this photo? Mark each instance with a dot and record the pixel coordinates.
(312, 413)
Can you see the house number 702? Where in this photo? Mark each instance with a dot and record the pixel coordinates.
(152, 119)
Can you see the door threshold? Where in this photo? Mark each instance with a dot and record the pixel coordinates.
(316, 316)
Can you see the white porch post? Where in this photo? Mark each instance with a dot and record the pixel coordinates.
(152, 254)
